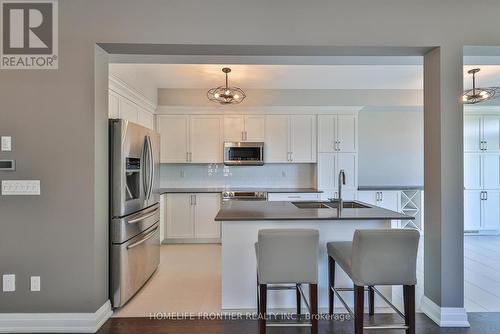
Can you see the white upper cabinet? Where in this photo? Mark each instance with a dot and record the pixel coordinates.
(174, 134)
(128, 110)
(348, 163)
(303, 138)
(255, 128)
(482, 133)
(145, 118)
(347, 133)
(326, 133)
(491, 133)
(234, 128)
(337, 133)
(206, 139)
(244, 128)
(190, 139)
(472, 133)
(276, 143)
(327, 173)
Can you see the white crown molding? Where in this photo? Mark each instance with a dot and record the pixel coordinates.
(444, 316)
(55, 322)
(229, 110)
(122, 88)
(477, 109)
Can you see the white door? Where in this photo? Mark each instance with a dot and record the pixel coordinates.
(276, 147)
(326, 133)
(491, 210)
(472, 133)
(234, 127)
(491, 171)
(254, 128)
(326, 171)
(180, 216)
(205, 139)
(472, 210)
(145, 118)
(174, 134)
(347, 162)
(473, 171)
(128, 110)
(113, 105)
(491, 132)
(303, 138)
(346, 133)
(206, 208)
(369, 197)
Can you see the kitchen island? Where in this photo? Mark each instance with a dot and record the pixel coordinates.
(241, 221)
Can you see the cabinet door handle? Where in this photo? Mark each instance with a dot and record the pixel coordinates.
(190, 199)
(195, 199)
(485, 195)
(485, 145)
(291, 156)
(190, 156)
(187, 156)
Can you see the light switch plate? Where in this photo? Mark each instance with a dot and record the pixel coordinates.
(35, 283)
(6, 143)
(21, 187)
(9, 283)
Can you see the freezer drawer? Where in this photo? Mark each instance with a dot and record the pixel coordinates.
(133, 263)
(122, 229)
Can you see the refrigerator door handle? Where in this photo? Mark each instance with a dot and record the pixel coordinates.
(133, 221)
(146, 238)
(151, 167)
(145, 157)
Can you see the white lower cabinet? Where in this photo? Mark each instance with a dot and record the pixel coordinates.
(387, 199)
(190, 217)
(481, 210)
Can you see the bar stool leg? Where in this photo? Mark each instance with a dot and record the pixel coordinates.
(371, 300)
(359, 306)
(262, 308)
(313, 296)
(409, 302)
(297, 294)
(331, 284)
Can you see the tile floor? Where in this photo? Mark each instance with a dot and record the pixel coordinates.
(188, 280)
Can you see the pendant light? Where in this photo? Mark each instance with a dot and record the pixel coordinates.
(225, 94)
(477, 95)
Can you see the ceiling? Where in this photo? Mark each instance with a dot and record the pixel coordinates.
(197, 76)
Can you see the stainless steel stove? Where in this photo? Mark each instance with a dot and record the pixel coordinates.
(230, 195)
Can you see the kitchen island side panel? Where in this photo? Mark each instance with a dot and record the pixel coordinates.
(239, 266)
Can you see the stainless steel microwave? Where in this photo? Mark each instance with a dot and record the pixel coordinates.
(243, 153)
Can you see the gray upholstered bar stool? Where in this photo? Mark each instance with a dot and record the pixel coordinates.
(286, 259)
(376, 257)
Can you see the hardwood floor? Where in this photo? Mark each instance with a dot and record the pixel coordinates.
(481, 323)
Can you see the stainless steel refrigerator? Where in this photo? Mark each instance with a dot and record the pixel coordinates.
(134, 208)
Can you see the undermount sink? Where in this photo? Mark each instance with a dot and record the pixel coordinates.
(329, 205)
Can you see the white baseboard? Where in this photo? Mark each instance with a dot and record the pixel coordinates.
(444, 316)
(55, 322)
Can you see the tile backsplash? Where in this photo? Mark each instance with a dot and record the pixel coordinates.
(218, 175)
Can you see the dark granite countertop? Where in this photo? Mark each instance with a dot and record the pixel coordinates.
(361, 188)
(221, 189)
(262, 210)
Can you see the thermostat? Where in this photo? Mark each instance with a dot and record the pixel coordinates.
(7, 165)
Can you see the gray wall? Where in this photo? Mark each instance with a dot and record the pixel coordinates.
(391, 147)
(299, 97)
(51, 116)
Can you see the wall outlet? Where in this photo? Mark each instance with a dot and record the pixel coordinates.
(9, 283)
(35, 283)
(6, 143)
(20, 187)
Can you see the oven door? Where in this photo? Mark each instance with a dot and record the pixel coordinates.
(243, 153)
